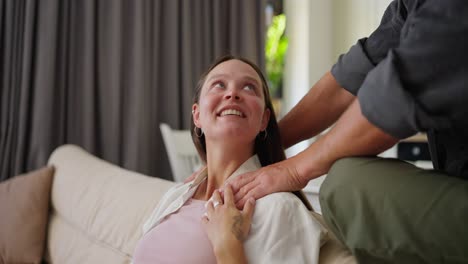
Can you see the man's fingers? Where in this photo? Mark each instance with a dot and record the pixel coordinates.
(246, 189)
(249, 208)
(242, 180)
(240, 204)
(256, 192)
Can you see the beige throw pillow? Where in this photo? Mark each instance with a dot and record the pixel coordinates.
(24, 210)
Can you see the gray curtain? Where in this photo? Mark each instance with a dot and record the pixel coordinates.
(102, 74)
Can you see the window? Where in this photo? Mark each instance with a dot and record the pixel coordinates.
(276, 45)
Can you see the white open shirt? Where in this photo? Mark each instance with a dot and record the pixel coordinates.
(282, 230)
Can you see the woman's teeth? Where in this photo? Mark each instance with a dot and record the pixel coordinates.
(231, 112)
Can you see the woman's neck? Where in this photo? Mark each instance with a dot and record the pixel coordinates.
(222, 160)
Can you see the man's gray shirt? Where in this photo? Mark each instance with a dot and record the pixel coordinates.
(411, 75)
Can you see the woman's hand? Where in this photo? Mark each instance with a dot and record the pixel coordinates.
(227, 227)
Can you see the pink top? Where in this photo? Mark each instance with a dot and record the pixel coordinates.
(180, 238)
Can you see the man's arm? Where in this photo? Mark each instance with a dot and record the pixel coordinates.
(317, 110)
(353, 135)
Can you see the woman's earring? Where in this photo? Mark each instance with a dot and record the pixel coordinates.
(265, 134)
(196, 133)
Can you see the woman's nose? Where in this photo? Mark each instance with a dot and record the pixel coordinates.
(232, 94)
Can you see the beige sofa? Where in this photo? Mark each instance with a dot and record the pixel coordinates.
(98, 209)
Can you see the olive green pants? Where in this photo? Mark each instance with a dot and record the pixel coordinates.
(389, 211)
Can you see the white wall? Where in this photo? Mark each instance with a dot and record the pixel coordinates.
(319, 31)
(355, 19)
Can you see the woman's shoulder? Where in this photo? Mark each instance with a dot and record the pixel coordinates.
(278, 198)
(280, 201)
(283, 231)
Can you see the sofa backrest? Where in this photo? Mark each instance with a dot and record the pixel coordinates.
(98, 209)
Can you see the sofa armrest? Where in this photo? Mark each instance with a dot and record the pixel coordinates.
(97, 208)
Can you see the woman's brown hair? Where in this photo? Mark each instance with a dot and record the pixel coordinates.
(268, 146)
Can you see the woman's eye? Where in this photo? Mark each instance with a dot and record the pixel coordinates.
(249, 87)
(219, 85)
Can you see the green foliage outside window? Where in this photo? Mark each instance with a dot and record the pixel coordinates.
(275, 50)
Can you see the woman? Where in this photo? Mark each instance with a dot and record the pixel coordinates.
(235, 131)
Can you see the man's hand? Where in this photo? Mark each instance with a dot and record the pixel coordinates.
(278, 177)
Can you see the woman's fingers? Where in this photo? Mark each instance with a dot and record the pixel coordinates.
(205, 220)
(209, 207)
(228, 195)
(217, 200)
(225, 224)
(249, 208)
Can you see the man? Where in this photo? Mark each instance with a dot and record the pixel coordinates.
(410, 75)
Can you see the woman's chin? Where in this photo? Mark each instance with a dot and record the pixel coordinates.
(234, 134)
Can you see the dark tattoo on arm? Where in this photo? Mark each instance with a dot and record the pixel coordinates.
(236, 228)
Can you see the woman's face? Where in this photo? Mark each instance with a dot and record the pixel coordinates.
(231, 104)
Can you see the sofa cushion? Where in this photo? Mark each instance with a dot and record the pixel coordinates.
(24, 209)
(98, 209)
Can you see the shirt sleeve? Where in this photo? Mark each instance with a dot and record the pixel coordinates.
(352, 67)
(283, 231)
(422, 83)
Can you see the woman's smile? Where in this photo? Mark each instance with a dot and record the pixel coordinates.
(231, 112)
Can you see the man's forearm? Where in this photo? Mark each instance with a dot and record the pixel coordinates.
(319, 109)
(353, 135)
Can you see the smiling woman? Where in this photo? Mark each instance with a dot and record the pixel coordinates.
(269, 149)
(231, 105)
(235, 131)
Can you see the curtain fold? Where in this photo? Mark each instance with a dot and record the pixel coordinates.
(102, 74)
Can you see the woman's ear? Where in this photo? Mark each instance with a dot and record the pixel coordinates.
(265, 119)
(196, 115)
